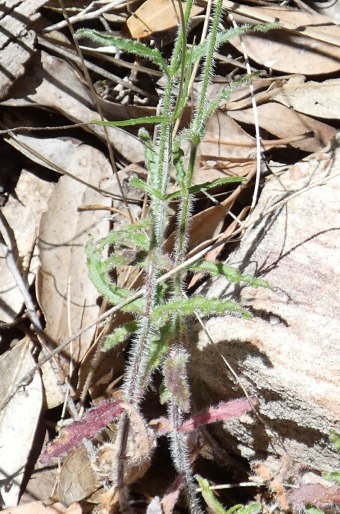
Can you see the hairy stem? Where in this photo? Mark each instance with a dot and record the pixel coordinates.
(180, 455)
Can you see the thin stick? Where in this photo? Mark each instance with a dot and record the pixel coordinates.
(256, 120)
(18, 278)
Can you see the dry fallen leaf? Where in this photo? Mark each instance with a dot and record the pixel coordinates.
(68, 95)
(19, 224)
(39, 508)
(77, 479)
(155, 16)
(321, 100)
(18, 419)
(65, 293)
(312, 135)
(289, 52)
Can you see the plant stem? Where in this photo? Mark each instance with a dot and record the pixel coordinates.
(159, 179)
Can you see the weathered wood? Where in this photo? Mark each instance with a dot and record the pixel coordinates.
(16, 39)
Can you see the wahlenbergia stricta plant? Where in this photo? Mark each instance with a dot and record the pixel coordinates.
(160, 334)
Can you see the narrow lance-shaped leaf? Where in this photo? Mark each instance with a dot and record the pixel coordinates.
(129, 235)
(205, 186)
(92, 422)
(151, 156)
(229, 272)
(127, 45)
(200, 50)
(222, 412)
(101, 279)
(146, 120)
(209, 498)
(188, 307)
(140, 184)
(119, 335)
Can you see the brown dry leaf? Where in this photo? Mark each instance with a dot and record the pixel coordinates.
(228, 150)
(321, 100)
(224, 142)
(16, 40)
(206, 224)
(18, 419)
(39, 508)
(279, 120)
(290, 52)
(52, 83)
(88, 481)
(65, 293)
(19, 224)
(155, 16)
(77, 479)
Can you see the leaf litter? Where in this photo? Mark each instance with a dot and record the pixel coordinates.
(298, 115)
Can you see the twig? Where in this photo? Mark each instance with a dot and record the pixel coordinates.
(17, 276)
(84, 15)
(256, 120)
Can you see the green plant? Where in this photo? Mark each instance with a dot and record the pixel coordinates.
(215, 506)
(159, 325)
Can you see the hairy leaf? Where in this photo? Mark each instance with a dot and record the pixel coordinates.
(188, 306)
(205, 186)
(91, 423)
(119, 335)
(130, 235)
(229, 272)
(223, 412)
(127, 45)
(145, 120)
(100, 277)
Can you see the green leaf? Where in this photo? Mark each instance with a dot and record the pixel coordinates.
(119, 335)
(205, 186)
(140, 184)
(314, 510)
(225, 93)
(230, 273)
(209, 497)
(335, 438)
(146, 120)
(188, 306)
(149, 152)
(333, 476)
(177, 158)
(252, 508)
(216, 507)
(127, 45)
(200, 50)
(101, 279)
(157, 350)
(131, 235)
